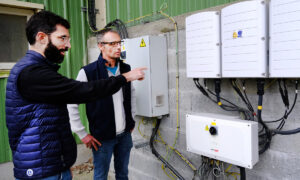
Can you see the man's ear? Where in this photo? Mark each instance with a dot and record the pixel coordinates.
(42, 38)
(100, 46)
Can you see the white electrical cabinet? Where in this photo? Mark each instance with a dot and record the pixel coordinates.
(223, 138)
(203, 52)
(152, 92)
(285, 38)
(244, 39)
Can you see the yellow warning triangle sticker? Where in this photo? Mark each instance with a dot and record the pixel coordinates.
(206, 128)
(143, 44)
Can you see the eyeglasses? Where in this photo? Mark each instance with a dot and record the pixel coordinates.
(114, 43)
(64, 39)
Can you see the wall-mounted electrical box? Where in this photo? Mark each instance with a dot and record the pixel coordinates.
(284, 38)
(203, 52)
(152, 93)
(244, 39)
(223, 138)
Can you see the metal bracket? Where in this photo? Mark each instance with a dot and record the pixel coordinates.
(84, 9)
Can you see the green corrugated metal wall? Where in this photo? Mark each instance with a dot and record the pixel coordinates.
(5, 153)
(131, 9)
(76, 58)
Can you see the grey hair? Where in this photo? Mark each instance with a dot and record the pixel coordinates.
(101, 34)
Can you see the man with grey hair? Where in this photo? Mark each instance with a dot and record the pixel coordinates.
(111, 118)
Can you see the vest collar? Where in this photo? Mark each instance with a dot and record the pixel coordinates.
(103, 61)
(38, 57)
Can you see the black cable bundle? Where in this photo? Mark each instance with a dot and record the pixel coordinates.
(230, 106)
(120, 27)
(284, 96)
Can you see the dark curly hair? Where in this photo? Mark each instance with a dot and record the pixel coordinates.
(43, 21)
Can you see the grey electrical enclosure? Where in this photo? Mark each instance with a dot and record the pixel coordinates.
(152, 92)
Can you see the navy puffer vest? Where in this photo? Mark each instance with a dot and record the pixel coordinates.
(39, 134)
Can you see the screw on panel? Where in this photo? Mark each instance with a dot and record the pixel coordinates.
(263, 74)
(218, 75)
(263, 2)
(217, 13)
(263, 38)
(218, 44)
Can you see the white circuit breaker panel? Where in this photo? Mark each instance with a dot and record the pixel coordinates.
(152, 93)
(223, 138)
(285, 38)
(244, 39)
(203, 51)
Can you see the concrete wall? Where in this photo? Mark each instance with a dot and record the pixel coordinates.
(281, 161)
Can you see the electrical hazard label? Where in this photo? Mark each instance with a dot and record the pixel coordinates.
(206, 128)
(143, 44)
(235, 35)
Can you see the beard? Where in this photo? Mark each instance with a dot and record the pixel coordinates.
(53, 54)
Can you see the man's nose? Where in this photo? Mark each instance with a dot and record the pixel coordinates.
(68, 45)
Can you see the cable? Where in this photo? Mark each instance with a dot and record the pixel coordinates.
(245, 94)
(283, 93)
(171, 168)
(242, 96)
(218, 90)
(227, 172)
(243, 173)
(268, 137)
(177, 152)
(287, 132)
(293, 131)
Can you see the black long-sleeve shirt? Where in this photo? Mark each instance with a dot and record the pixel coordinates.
(43, 84)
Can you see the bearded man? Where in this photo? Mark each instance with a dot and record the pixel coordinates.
(37, 95)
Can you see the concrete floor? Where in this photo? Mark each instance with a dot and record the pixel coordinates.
(83, 155)
(6, 171)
